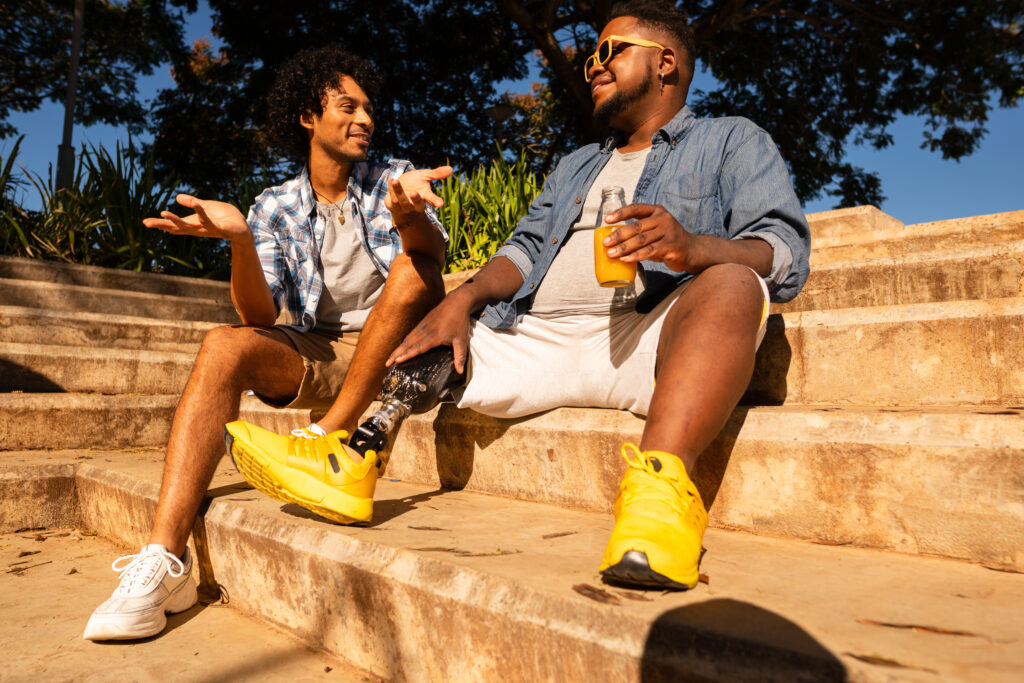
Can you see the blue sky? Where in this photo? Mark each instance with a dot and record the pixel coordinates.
(920, 186)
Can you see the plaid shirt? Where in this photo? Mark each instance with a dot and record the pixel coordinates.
(289, 234)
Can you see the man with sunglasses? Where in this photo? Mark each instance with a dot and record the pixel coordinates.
(717, 231)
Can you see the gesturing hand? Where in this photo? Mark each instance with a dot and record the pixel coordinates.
(411, 192)
(655, 236)
(211, 219)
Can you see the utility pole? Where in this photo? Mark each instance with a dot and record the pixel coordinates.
(65, 152)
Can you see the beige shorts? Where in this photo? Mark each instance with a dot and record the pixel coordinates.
(587, 361)
(326, 357)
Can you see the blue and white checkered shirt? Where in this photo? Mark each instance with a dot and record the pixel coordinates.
(289, 234)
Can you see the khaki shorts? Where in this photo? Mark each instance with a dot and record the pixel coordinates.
(587, 361)
(326, 357)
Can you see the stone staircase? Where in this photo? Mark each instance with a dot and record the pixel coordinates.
(866, 498)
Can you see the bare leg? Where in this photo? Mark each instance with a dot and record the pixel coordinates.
(414, 286)
(231, 360)
(705, 361)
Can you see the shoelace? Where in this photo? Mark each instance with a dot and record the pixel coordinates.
(138, 569)
(304, 446)
(651, 488)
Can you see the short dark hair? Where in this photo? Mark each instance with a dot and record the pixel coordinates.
(661, 16)
(301, 86)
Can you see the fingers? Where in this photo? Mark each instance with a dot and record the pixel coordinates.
(439, 173)
(631, 211)
(461, 350)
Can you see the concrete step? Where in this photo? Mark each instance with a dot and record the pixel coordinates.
(945, 353)
(15, 268)
(442, 587)
(62, 575)
(887, 237)
(77, 420)
(980, 272)
(61, 297)
(933, 481)
(42, 368)
(963, 353)
(70, 328)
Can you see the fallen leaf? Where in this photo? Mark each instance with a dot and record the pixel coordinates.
(19, 570)
(596, 594)
(29, 528)
(427, 528)
(26, 553)
(327, 669)
(73, 571)
(703, 578)
(918, 627)
(635, 596)
(87, 532)
(885, 661)
(558, 534)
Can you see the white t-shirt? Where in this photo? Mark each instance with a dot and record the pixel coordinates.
(351, 282)
(570, 286)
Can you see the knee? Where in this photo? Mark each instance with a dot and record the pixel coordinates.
(224, 347)
(728, 291)
(416, 278)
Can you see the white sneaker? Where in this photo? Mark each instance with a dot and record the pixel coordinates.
(152, 582)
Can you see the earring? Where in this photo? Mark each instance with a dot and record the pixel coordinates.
(661, 80)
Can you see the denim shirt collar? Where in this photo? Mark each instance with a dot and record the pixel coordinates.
(671, 132)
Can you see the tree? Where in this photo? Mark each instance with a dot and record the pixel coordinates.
(121, 41)
(818, 74)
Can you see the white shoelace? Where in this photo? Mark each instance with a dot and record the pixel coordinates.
(311, 432)
(138, 569)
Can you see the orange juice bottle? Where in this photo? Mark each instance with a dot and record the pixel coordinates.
(610, 272)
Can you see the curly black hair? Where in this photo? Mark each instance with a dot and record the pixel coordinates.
(301, 86)
(661, 16)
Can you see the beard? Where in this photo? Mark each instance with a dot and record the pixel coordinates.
(622, 99)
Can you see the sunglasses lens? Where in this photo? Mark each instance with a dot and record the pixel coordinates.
(604, 51)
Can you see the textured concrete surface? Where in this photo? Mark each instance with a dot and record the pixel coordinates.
(947, 235)
(52, 578)
(49, 367)
(941, 354)
(943, 481)
(984, 272)
(16, 268)
(71, 328)
(61, 297)
(845, 225)
(443, 587)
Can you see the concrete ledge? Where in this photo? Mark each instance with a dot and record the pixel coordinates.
(942, 481)
(36, 495)
(16, 268)
(68, 328)
(443, 587)
(945, 353)
(47, 367)
(84, 420)
(61, 297)
(982, 272)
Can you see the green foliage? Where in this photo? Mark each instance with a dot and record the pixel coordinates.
(481, 211)
(12, 238)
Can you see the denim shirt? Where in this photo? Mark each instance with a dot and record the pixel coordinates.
(289, 233)
(722, 177)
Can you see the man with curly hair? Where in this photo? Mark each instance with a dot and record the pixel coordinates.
(346, 256)
(715, 231)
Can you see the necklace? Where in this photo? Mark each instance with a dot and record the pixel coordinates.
(336, 205)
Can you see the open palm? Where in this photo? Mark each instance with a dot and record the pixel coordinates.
(211, 219)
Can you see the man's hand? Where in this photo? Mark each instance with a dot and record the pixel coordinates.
(410, 193)
(446, 325)
(655, 236)
(211, 219)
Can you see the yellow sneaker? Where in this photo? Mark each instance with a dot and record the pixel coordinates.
(316, 473)
(659, 524)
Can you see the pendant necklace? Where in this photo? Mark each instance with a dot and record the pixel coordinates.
(341, 211)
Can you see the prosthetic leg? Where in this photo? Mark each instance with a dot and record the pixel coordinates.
(412, 387)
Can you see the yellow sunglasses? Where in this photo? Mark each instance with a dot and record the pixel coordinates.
(606, 50)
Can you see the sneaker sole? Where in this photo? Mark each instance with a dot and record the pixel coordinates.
(327, 502)
(634, 569)
(113, 626)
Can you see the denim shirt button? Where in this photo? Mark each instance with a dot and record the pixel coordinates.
(577, 200)
(554, 241)
(531, 285)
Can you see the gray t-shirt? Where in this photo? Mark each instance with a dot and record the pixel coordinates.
(351, 282)
(570, 285)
